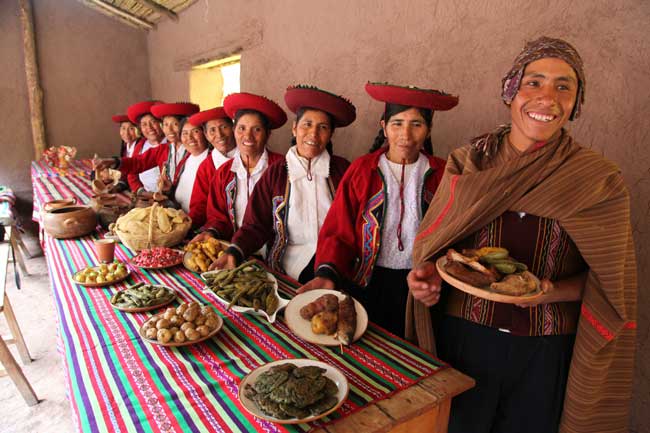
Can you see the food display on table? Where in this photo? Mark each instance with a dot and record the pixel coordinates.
(330, 317)
(102, 275)
(152, 226)
(326, 317)
(489, 273)
(199, 255)
(181, 326)
(293, 391)
(59, 156)
(158, 258)
(142, 297)
(247, 288)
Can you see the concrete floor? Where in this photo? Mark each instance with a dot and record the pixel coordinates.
(35, 311)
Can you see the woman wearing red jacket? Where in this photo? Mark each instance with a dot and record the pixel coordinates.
(366, 241)
(165, 155)
(254, 117)
(217, 127)
(290, 202)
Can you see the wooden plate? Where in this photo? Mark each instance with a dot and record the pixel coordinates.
(482, 292)
(105, 283)
(331, 372)
(185, 343)
(281, 301)
(302, 327)
(171, 299)
(176, 262)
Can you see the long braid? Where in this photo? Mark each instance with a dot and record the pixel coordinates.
(379, 140)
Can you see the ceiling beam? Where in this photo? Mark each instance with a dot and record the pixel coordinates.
(156, 7)
(121, 15)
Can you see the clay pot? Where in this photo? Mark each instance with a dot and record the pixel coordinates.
(69, 222)
(109, 207)
(56, 204)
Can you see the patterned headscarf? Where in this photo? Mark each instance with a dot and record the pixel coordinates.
(539, 49)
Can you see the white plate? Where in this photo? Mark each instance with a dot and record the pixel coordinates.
(302, 327)
(281, 301)
(331, 372)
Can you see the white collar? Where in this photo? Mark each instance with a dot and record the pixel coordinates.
(219, 158)
(297, 165)
(200, 156)
(241, 171)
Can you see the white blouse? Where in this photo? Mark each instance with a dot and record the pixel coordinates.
(389, 254)
(183, 192)
(219, 158)
(244, 191)
(149, 178)
(309, 202)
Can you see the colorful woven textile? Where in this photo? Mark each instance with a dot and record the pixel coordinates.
(7, 202)
(78, 167)
(47, 188)
(118, 382)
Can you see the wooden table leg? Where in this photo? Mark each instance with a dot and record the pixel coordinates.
(17, 241)
(15, 331)
(16, 373)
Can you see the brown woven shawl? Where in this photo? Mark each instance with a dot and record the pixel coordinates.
(586, 194)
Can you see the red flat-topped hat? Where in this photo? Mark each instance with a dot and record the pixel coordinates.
(411, 96)
(248, 101)
(180, 109)
(135, 111)
(119, 118)
(338, 107)
(200, 118)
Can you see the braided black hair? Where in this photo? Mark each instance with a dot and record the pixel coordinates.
(392, 109)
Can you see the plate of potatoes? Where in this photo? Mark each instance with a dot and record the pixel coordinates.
(187, 324)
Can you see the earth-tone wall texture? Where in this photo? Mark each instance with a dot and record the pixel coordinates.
(461, 47)
(91, 67)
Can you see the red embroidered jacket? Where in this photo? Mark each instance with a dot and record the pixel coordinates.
(350, 238)
(220, 211)
(267, 212)
(132, 178)
(201, 190)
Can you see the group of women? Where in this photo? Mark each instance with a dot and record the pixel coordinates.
(374, 228)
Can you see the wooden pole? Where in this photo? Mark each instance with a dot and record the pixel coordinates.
(122, 15)
(34, 90)
(151, 4)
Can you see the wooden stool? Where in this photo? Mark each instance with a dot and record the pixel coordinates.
(6, 358)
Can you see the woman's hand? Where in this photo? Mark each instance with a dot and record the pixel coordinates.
(225, 261)
(103, 163)
(164, 184)
(424, 283)
(566, 290)
(316, 283)
(202, 237)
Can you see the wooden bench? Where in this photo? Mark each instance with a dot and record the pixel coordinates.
(7, 360)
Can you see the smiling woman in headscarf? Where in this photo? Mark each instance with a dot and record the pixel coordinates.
(564, 211)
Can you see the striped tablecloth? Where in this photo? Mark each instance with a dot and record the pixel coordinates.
(118, 382)
(78, 167)
(47, 188)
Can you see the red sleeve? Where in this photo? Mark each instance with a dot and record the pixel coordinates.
(200, 191)
(144, 161)
(217, 218)
(337, 243)
(257, 226)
